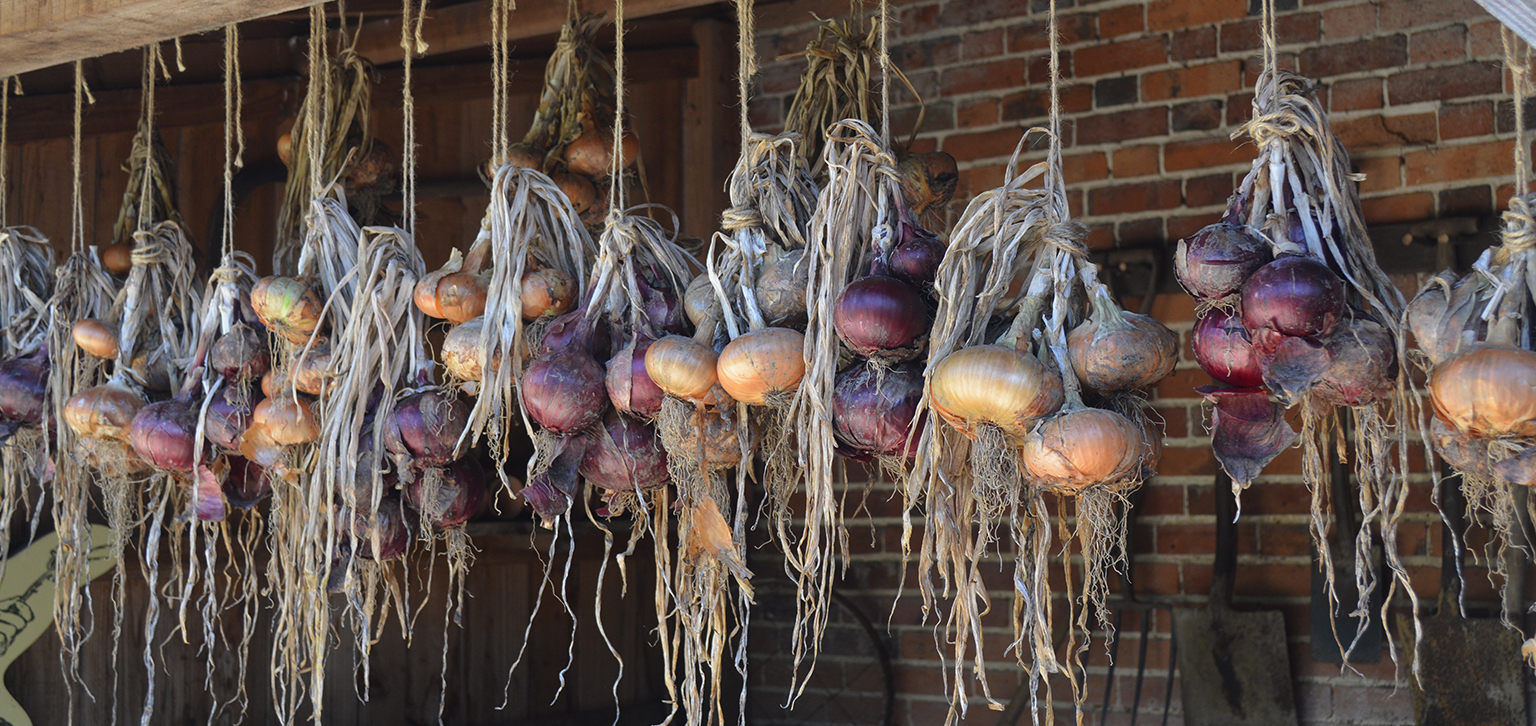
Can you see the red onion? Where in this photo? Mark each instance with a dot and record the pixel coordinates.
(389, 523)
(624, 456)
(165, 433)
(1294, 295)
(369, 464)
(1214, 262)
(1363, 363)
(241, 354)
(208, 495)
(872, 410)
(565, 391)
(1222, 349)
(425, 427)
(227, 418)
(629, 386)
(882, 317)
(550, 491)
(246, 483)
(249, 317)
(24, 388)
(916, 256)
(663, 307)
(567, 329)
(1293, 366)
(449, 496)
(1247, 430)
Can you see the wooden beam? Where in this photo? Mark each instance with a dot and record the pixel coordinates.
(36, 34)
(711, 137)
(468, 25)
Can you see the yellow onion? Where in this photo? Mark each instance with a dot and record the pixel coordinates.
(700, 302)
(927, 180)
(117, 258)
(523, 156)
(312, 372)
(1488, 391)
(1121, 357)
(103, 412)
(780, 289)
(546, 292)
(288, 307)
(992, 384)
(577, 188)
(1083, 447)
(96, 338)
(592, 152)
(462, 355)
(761, 364)
(683, 367)
(286, 420)
(153, 369)
(285, 147)
(461, 296)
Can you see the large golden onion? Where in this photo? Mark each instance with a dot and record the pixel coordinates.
(288, 307)
(761, 363)
(1488, 391)
(683, 367)
(991, 384)
(98, 339)
(287, 420)
(546, 293)
(1123, 357)
(1084, 447)
(103, 412)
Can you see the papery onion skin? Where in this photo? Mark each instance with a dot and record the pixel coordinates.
(546, 292)
(103, 412)
(577, 189)
(287, 420)
(780, 290)
(915, 258)
(1463, 452)
(992, 384)
(1214, 262)
(565, 391)
(394, 533)
(461, 352)
(449, 496)
(1445, 316)
(591, 153)
(24, 388)
(460, 296)
(1363, 365)
(1123, 358)
(761, 364)
(630, 388)
(165, 434)
(227, 420)
(700, 302)
(571, 328)
(1488, 391)
(1080, 448)
(872, 410)
(683, 367)
(881, 317)
(711, 441)
(246, 483)
(625, 455)
(112, 456)
(240, 354)
(288, 307)
(311, 374)
(117, 258)
(424, 427)
(98, 339)
(1294, 295)
(549, 492)
(1221, 347)
(662, 307)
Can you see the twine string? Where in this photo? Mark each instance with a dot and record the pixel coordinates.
(77, 205)
(616, 162)
(746, 52)
(234, 136)
(152, 59)
(1517, 56)
(412, 43)
(1054, 181)
(885, 72)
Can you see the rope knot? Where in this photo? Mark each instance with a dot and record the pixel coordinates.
(227, 274)
(738, 218)
(1067, 237)
(1519, 224)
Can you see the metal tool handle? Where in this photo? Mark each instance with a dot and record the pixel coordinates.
(1226, 542)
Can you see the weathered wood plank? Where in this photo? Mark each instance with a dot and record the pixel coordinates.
(40, 34)
(710, 137)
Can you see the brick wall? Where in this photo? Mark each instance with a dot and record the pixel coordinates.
(1151, 93)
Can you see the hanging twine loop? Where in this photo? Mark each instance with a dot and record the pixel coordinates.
(1519, 223)
(5, 125)
(616, 161)
(411, 42)
(234, 136)
(77, 204)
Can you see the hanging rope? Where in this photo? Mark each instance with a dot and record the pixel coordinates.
(1054, 181)
(412, 43)
(746, 66)
(1517, 58)
(885, 72)
(77, 204)
(5, 125)
(234, 136)
(152, 60)
(316, 103)
(616, 163)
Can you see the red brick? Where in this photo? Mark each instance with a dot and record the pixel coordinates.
(1454, 163)
(1285, 540)
(1375, 131)
(918, 20)
(1398, 14)
(976, 113)
(1105, 58)
(1202, 80)
(1473, 201)
(1140, 231)
(978, 179)
(1192, 44)
(1434, 46)
(1239, 108)
(1161, 499)
(1182, 384)
(1208, 191)
(1123, 20)
(1038, 67)
(1289, 30)
(1350, 21)
(1206, 153)
(984, 77)
(1486, 41)
(1186, 539)
(1035, 103)
(1382, 173)
(1348, 58)
(1081, 168)
(1440, 84)
(1133, 198)
(1101, 237)
(1122, 125)
(983, 44)
(1181, 227)
(1197, 116)
(766, 112)
(1400, 208)
(1265, 580)
(1070, 30)
(1181, 14)
(982, 144)
(1134, 161)
(925, 53)
(1466, 119)
(1356, 95)
(1155, 578)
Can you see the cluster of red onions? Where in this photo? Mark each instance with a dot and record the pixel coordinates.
(23, 391)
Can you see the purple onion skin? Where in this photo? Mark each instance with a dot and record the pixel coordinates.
(1363, 365)
(246, 483)
(565, 392)
(248, 315)
(393, 530)
(663, 308)
(226, 422)
(873, 416)
(625, 456)
(549, 492)
(24, 388)
(1214, 262)
(425, 427)
(630, 387)
(1247, 430)
(568, 329)
(364, 487)
(1294, 295)
(915, 258)
(165, 434)
(880, 316)
(460, 491)
(241, 354)
(1222, 349)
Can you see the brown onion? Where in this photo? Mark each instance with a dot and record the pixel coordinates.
(461, 354)
(117, 258)
(577, 189)
(1132, 353)
(165, 433)
(927, 180)
(424, 428)
(546, 292)
(1463, 452)
(881, 317)
(1214, 262)
(711, 440)
(449, 496)
(24, 388)
(288, 307)
(1445, 316)
(762, 365)
(285, 147)
(1222, 349)
(1084, 447)
(245, 483)
(229, 415)
(592, 152)
(239, 355)
(1362, 363)
(523, 156)
(625, 455)
(312, 372)
(564, 391)
(872, 410)
(992, 384)
(103, 412)
(98, 339)
(1294, 295)
(630, 388)
(780, 290)
(460, 296)
(287, 420)
(700, 301)
(683, 367)
(1488, 391)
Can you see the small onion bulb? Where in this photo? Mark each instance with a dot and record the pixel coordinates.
(1084, 447)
